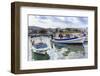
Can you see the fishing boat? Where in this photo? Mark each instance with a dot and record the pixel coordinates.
(40, 48)
(70, 39)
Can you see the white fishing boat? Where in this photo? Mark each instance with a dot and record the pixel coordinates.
(40, 48)
(69, 40)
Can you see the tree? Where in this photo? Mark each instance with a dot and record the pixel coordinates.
(43, 31)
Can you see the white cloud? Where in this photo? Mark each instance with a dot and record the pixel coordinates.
(60, 22)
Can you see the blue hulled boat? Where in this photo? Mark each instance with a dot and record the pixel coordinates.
(69, 40)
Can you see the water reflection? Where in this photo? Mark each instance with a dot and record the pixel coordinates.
(59, 51)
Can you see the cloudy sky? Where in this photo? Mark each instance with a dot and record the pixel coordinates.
(58, 21)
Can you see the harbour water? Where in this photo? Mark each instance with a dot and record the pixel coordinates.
(58, 51)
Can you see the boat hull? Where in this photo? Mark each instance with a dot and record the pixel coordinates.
(72, 40)
(40, 51)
